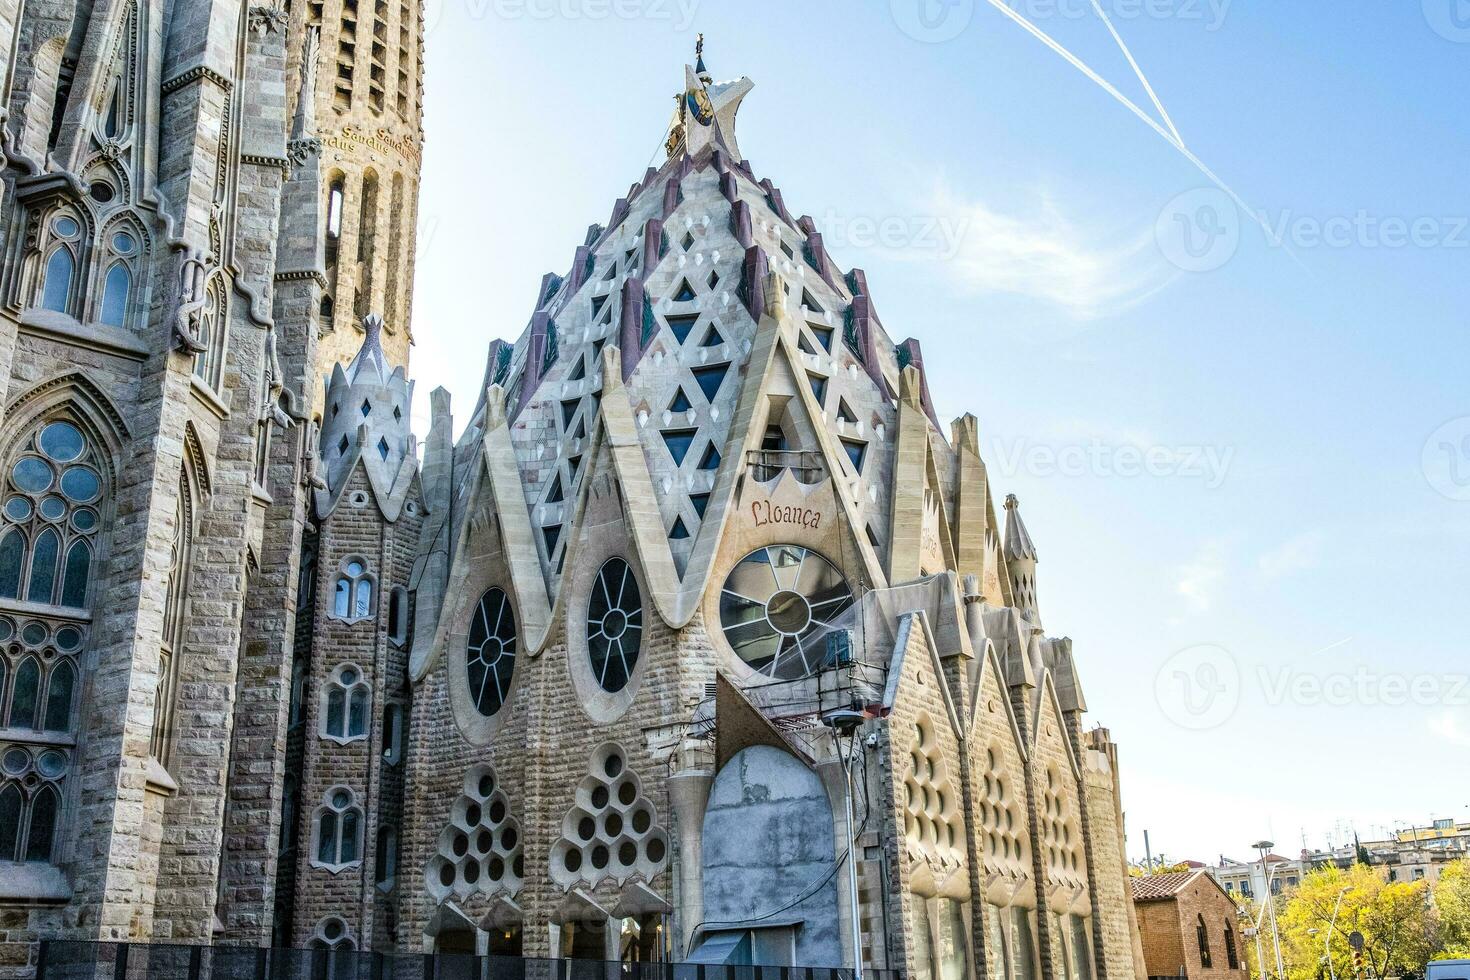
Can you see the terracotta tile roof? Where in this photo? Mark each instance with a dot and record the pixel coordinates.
(1152, 888)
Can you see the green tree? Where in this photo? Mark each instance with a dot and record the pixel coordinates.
(1396, 920)
(1452, 903)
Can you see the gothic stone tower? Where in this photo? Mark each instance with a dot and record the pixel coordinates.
(703, 503)
(369, 106)
(161, 280)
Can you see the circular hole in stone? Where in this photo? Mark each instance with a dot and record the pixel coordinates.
(573, 861)
(16, 761)
(102, 193)
(508, 838)
(627, 854)
(18, 509)
(472, 814)
(642, 820)
(613, 766)
(7, 629)
(599, 857)
(52, 507)
(34, 634)
(68, 638)
(487, 784)
(497, 811)
(484, 840)
(613, 824)
(586, 828)
(460, 845)
(655, 850)
(446, 874)
(599, 797)
(497, 869)
(518, 866)
(627, 793)
(471, 873)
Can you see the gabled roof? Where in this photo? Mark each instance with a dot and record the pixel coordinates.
(1153, 888)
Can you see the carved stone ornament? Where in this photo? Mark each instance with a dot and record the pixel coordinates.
(267, 19)
(189, 320)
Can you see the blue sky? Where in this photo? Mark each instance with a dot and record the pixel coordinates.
(1244, 454)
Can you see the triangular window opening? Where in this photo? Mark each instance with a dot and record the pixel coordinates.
(606, 316)
(711, 378)
(551, 535)
(845, 413)
(579, 372)
(678, 532)
(872, 537)
(556, 495)
(786, 250)
(684, 293)
(810, 302)
(597, 346)
(712, 338)
(681, 402)
(598, 302)
(803, 345)
(679, 441)
(569, 411)
(823, 335)
(700, 502)
(819, 387)
(581, 432)
(628, 257)
(612, 273)
(711, 458)
(561, 561)
(574, 463)
(856, 451)
(682, 325)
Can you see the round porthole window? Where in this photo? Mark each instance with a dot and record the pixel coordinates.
(490, 652)
(614, 625)
(777, 609)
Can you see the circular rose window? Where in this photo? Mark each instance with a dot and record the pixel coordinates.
(777, 609)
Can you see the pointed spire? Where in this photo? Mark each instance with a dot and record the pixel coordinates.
(1018, 540)
(370, 355)
(699, 69)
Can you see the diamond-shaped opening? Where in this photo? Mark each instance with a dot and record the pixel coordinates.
(845, 413)
(688, 241)
(679, 441)
(714, 279)
(700, 502)
(382, 447)
(856, 451)
(367, 408)
(823, 335)
(819, 387)
(678, 532)
(682, 325)
(684, 293)
(569, 411)
(397, 414)
(681, 402)
(556, 495)
(711, 458)
(342, 446)
(551, 534)
(710, 378)
(335, 409)
(810, 302)
(712, 338)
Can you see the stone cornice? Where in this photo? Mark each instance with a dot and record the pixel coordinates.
(266, 160)
(195, 74)
(300, 274)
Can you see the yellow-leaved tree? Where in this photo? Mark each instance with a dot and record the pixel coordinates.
(1452, 902)
(1395, 920)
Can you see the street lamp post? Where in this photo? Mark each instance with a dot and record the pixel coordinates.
(1264, 847)
(844, 724)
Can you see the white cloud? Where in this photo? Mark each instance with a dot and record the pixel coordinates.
(1199, 577)
(1297, 554)
(1448, 728)
(1039, 252)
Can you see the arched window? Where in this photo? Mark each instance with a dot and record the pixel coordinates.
(344, 710)
(353, 594)
(1232, 956)
(1202, 934)
(59, 697)
(209, 364)
(338, 830)
(30, 806)
(53, 488)
(392, 732)
(60, 268)
(398, 615)
(288, 815)
(171, 647)
(25, 696)
(386, 865)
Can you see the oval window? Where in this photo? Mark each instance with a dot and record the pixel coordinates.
(614, 625)
(490, 652)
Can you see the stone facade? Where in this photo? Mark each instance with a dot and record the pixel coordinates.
(700, 609)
